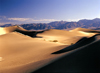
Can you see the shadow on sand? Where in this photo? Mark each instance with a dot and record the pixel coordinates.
(83, 60)
(30, 33)
(82, 42)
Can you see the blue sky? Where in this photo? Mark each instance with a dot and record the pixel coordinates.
(44, 11)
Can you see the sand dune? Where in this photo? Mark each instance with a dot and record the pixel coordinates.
(23, 51)
(19, 51)
(10, 29)
(63, 36)
(82, 60)
(13, 28)
(2, 31)
(82, 42)
(19, 30)
(86, 30)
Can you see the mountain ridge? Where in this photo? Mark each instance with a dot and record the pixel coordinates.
(84, 23)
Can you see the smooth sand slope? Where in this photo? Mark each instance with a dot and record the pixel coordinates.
(22, 54)
(23, 51)
(65, 37)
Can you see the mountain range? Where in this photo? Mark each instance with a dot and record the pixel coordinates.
(84, 23)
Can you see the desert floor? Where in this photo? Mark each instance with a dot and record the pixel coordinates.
(53, 51)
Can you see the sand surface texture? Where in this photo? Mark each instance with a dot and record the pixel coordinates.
(23, 51)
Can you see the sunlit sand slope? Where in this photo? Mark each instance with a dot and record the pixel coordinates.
(22, 54)
(13, 28)
(66, 37)
(23, 51)
(2, 31)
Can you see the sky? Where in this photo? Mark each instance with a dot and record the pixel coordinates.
(45, 11)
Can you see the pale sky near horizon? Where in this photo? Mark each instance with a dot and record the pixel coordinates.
(36, 11)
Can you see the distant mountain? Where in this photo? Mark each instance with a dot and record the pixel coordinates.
(6, 25)
(68, 25)
(36, 26)
(95, 23)
(96, 19)
(57, 23)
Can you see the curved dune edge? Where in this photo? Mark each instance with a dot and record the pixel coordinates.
(81, 43)
(20, 53)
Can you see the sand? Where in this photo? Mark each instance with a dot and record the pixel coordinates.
(22, 53)
(65, 37)
(2, 31)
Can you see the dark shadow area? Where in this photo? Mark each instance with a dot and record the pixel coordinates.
(93, 31)
(39, 37)
(82, 42)
(82, 39)
(84, 60)
(30, 33)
